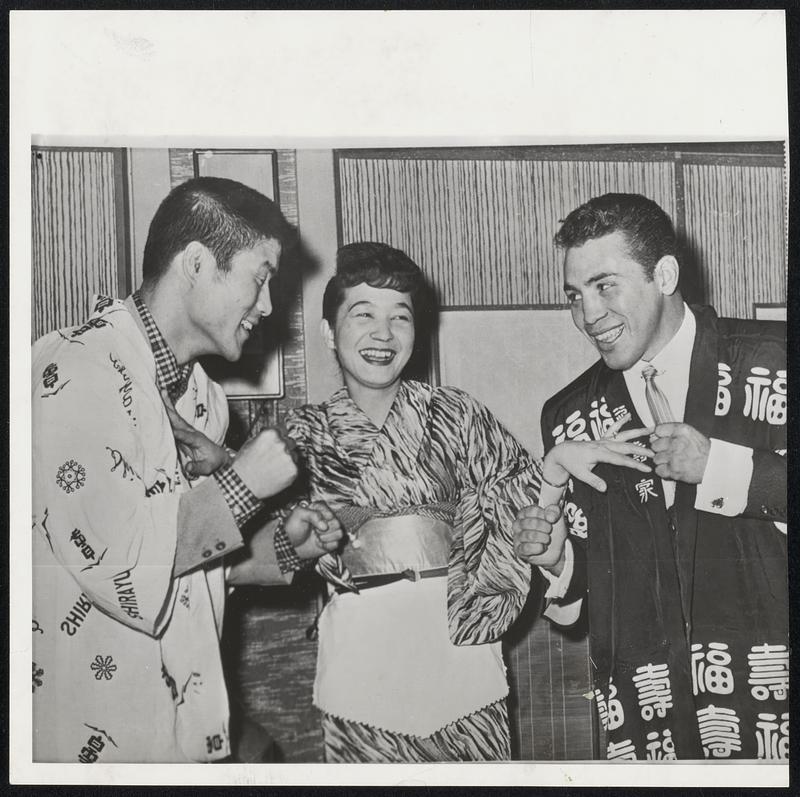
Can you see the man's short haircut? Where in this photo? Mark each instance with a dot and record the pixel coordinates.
(223, 215)
(380, 266)
(648, 230)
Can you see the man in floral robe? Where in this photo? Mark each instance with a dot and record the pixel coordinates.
(128, 545)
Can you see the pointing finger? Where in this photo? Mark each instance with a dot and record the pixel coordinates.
(633, 434)
(627, 448)
(593, 481)
(613, 458)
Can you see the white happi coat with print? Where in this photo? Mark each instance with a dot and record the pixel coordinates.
(126, 664)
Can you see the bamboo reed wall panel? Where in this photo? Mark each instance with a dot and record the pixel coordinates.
(482, 230)
(75, 236)
(735, 228)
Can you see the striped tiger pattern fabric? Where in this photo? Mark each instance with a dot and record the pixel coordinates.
(482, 736)
(438, 446)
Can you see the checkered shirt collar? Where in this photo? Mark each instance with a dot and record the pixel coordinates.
(170, 376)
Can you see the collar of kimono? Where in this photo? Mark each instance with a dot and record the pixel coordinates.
(355, 433)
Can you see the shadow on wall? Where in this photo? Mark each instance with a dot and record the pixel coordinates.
(279, 329)
(691, 283)
(421, 364)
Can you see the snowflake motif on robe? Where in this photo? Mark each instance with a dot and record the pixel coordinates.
(71, 476)
(104, 667)
(38, 672)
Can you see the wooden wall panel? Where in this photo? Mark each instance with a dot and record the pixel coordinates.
(735, 231)
(75, 246)
(483, 229)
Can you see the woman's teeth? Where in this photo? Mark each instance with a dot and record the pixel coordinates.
(377, 355)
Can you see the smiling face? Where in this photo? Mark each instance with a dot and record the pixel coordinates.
(228, 304)
(373, 337)
(625, 315)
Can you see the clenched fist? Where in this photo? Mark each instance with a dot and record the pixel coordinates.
(267, 463)
(681, 452)
(539, 536)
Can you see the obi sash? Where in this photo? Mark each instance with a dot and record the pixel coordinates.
(396, 544)
(416, 541)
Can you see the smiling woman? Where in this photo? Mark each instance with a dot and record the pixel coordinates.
(373, 338)
(427, 483)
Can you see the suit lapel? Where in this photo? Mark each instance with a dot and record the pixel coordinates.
(699, 413)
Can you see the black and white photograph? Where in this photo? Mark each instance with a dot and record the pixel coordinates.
(380, 429)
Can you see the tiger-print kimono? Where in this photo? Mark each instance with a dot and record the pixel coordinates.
(437, 446)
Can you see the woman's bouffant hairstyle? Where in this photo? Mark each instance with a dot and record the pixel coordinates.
(379, 266)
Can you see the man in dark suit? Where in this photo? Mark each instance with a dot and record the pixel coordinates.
(686, 566)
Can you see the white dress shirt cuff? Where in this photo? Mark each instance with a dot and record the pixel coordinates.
(558, 584)
(726, 479)
(561, 615)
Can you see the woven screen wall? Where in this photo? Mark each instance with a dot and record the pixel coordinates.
(482, 227)
(735, 228)
(78, 237)
(482, 230)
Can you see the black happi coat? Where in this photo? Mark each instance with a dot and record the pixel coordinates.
(688, 610)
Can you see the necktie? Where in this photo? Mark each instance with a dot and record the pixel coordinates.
(656, 400)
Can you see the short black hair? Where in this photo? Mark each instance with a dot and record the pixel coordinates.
(380, 266)
(648, 230)
(224, 215)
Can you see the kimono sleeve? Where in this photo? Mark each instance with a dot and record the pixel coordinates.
(94, 433)
(487, 584)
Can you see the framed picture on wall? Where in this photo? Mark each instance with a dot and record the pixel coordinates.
(259, 372)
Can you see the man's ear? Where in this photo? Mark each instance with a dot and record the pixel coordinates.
(666, 273)
(194, 259)
(327, 334)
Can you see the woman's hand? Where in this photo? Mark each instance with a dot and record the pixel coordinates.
(579, 458)
(201, 455)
